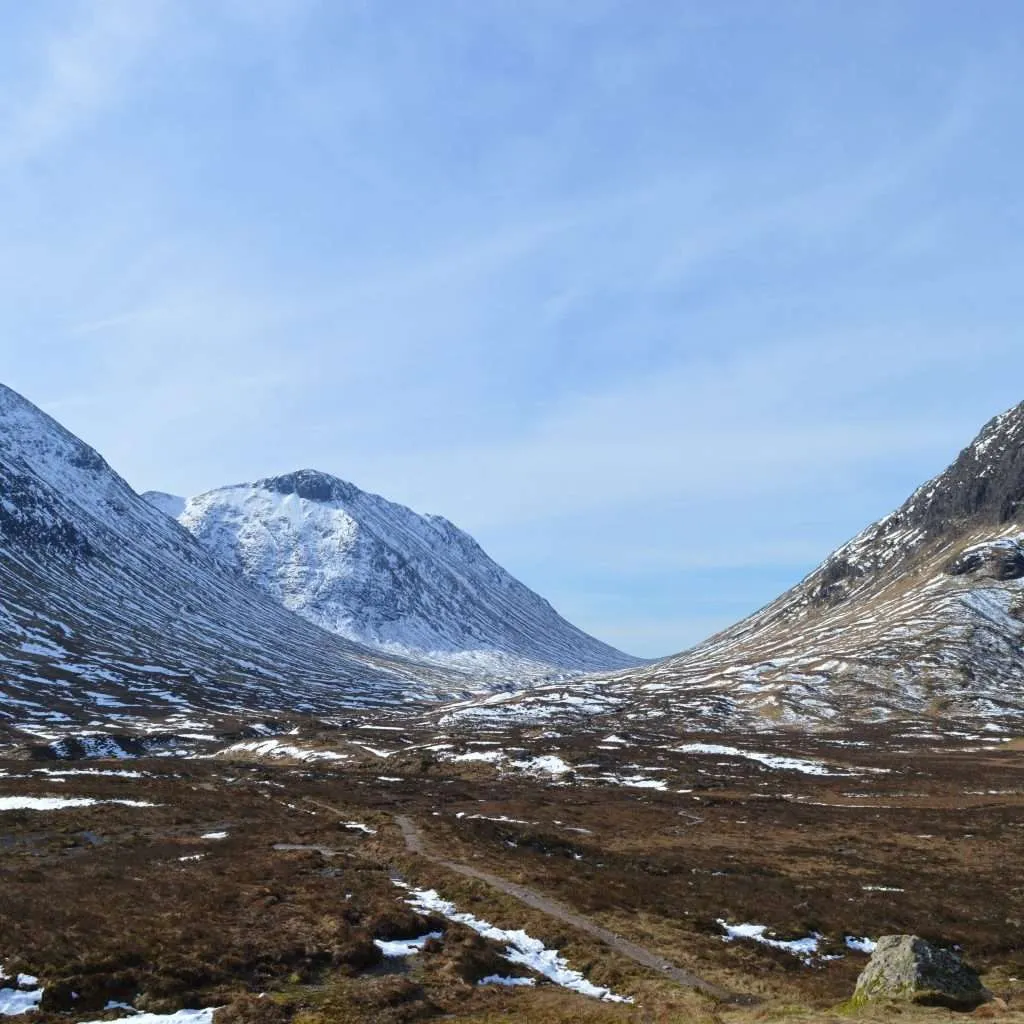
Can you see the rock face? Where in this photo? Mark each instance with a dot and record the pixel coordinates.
(905, 967)
(379, 574)
(998, 560)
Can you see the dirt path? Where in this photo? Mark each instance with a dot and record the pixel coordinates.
(415, 844)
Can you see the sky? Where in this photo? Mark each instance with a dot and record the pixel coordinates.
(660, 301)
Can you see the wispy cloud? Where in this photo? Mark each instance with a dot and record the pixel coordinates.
(749, 422)
(80, 68)
(627, 289)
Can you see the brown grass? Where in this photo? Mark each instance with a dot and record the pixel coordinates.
(98, 902)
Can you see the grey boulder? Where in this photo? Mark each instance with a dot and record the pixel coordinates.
(907, 968)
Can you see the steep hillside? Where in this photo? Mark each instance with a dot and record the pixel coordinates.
(922, 614)
(379, 574)
(109, 607)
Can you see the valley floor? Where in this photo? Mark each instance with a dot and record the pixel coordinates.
(261, 885)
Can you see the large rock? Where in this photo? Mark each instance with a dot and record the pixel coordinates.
(905, 967)
(1001, 559)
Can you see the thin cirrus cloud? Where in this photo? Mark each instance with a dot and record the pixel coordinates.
(81, 69)
(654, 305)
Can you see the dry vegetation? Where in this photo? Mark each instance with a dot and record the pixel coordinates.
(99, 903)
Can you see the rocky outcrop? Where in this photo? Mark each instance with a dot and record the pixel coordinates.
(907, 968)
(999, 560)
(312, 486)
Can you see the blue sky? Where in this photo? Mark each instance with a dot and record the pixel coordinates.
(661, 301)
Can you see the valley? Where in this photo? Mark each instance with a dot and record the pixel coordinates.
(306, 756)
(260, 883)
(511, 512)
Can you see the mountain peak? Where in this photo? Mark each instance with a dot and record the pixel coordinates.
(983, 488)
(922, 612)
(105, 598)
(984, 485)
(170, 504)
(988, 476)
(381, 574)
(921, 615)
(312, 485)
(38, 439)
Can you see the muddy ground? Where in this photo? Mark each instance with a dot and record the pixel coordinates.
(276, 921)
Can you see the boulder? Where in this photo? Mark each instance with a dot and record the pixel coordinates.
(998, 560)
(907, 968)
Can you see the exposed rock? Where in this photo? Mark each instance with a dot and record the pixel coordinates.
(905, 967)
(999, 560)
(311, 485)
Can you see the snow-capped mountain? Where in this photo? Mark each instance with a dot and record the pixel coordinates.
(106, 603)
(169, 504)
(920, 615)
(380, 574)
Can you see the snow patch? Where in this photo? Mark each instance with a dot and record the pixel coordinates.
(498, 979)
(792, 764)
(358, 826)
(56, 803)
(14, 1002)
(549, 763)
(275, 748)
(405, 947)
(178, 1017)
(636, 782)
(521, 948)
(804, 948)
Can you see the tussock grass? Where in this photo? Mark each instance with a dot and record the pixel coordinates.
(97, 901)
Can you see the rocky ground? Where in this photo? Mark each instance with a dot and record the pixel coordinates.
(260, 883)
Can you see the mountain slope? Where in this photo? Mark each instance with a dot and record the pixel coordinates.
(921, 614)
(379, 574)
(107, 603)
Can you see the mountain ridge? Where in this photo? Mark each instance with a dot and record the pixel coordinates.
(106, 603)
(920, 614)
(378, 573)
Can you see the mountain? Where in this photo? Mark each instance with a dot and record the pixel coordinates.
(109, 608)
(170, 504)
(379, 574)
(921, 615)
